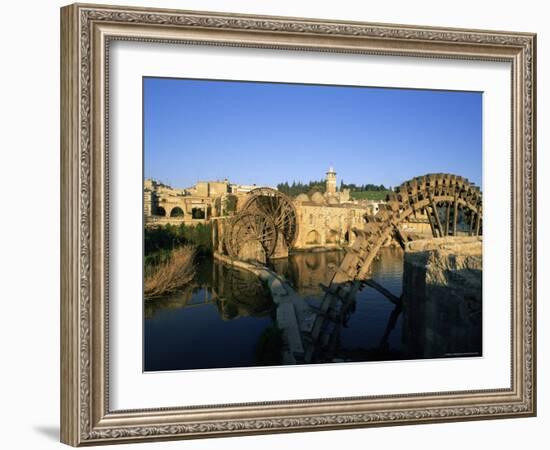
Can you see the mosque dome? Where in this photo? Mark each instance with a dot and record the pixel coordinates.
(318, 198)
(302, 198)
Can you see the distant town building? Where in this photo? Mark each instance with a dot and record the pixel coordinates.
(325, 219)
(164, 204)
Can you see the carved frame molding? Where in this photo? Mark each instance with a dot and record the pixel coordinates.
(86, 31)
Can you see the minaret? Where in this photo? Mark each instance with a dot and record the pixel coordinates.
(331, 181)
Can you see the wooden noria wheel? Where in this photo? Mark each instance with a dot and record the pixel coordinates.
(279, 207)
(249, 227)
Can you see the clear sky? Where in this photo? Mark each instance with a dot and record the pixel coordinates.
(267, 133)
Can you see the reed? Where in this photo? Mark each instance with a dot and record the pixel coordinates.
(172, 274)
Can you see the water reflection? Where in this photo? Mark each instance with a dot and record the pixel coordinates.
(221, 320)
(234, 293)
(216, 322)
(307, 271)
(240, 293)
(374, 330)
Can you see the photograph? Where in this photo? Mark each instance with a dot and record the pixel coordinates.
(289, 224)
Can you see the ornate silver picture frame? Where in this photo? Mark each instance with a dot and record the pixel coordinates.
(87, 33)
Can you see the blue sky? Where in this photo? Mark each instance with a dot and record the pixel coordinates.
(266, 133)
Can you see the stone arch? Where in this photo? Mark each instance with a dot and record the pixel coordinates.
(332, 236)
(350, 236)
(198, 213)
(313, 238)
(161, 211)
(176, 212)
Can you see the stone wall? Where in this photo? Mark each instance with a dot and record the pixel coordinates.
(163, 205)
(442, 297)
(327, 225)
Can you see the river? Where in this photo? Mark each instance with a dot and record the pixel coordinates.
(219, 321)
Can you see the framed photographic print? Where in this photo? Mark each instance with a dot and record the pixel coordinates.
(275, 224)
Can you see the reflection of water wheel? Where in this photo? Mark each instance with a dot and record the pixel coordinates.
(279, 207)
(246, 289)
(241, 294)
(247, 228)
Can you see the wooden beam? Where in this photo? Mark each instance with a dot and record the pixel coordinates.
(373, 284)
(455, 215)
(391, 324)
(436, 215)
(399, 236)
(447, 219)
(431, 223)
(323, 313)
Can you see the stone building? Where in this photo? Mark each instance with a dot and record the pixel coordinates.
(328, 219)
(164, 204)
(325, 219)
(326, 223)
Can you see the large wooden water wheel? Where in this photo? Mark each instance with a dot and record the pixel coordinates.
(248, 228)
(452, 206)
(279, 207)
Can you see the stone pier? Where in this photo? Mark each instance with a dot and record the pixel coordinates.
(442, 297)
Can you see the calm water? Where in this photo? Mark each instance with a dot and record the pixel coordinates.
(216, 323)
(366, 336)
(221, 321)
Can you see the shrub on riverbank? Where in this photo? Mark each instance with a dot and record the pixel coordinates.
(174, 272)
(160, 240)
